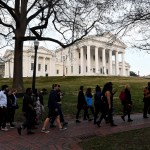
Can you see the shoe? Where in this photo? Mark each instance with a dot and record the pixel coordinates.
(4, 129)
(44, 131)
(113, 125)
(122, 117)
(52, 126)
(12, 126)
(65, 123)
(98, 124)
(78, 121)
(63, 128)
(145, 117)
(19, 130)
(30, 132)
(130, 120)
(90, 119)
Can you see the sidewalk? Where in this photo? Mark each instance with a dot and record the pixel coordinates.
(68, 139)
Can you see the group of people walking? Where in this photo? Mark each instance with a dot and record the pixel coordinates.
(100, 104)
(103, 104)
(8, 106)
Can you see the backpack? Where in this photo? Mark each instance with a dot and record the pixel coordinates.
(122, 96)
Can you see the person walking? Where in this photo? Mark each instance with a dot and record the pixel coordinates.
(97, 102)
(53, 110)
(29, 113)
(3, 107)
(146, 100)
(108, 104)
(59, 101)
(89, 101)
(127, 104)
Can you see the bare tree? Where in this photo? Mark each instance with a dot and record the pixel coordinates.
(132, 18)
(27, 20)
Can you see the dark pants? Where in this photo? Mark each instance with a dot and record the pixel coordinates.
(3, 117)
(146, 108)
(10, 115)
(104, 113)
(60, 114)
(29, 120)
(97, 111)
(86, 115)
(126, 110)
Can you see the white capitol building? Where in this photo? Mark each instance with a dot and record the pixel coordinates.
(92, 56)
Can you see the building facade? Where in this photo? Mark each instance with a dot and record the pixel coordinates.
(92, 56)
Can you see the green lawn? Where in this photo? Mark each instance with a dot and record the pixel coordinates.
(130, 140)
(70, 85)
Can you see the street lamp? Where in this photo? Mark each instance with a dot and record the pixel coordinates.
(36, 44)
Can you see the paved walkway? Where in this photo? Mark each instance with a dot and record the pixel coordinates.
(68, 139)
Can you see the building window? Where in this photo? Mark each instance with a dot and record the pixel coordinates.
(93, 57)
(94, 70)
(79, 56)
(86, 68)
(107, 71)
(39, 67)
(66, 70)
(79, 69)
(32, 66)
(57, 71)
(101, 71)
(86, 56)
(71, 69)
(45, 67)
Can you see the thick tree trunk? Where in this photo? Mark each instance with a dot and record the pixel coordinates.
(18, 65)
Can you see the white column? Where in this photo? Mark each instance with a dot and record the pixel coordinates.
(116, 63)
(81, 59)
(110, 62)
(37, 62)
(96, 59)
(123, 64)
(88, 59)
(104, 61)
(44, 67)
(49, 69)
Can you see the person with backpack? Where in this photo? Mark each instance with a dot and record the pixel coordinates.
(89, 101)
(126, 103)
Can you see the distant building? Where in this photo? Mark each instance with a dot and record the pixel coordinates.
(92, 56)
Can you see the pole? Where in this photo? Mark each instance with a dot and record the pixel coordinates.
(34, 69)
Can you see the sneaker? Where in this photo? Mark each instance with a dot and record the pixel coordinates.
(63, 128)
(78, 121)
(122, 117)
(113, 125)
(19, 130)
(44, 131)
(145, 117)
(90, 119)
(98, 124)
(4, 129)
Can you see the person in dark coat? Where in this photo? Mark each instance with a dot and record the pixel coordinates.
(146, 100)
(97, 102)
(81, 104)
(127, 104)
(29, 112)
(53, 110)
